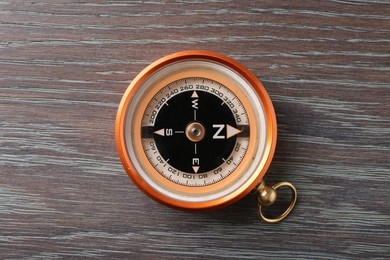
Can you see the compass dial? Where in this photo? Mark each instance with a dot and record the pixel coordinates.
(200, 132)
(196, 130)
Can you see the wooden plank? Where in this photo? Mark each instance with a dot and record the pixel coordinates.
(64, 66)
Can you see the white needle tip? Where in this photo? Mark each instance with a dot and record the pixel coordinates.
(160, 132)
(231, 131)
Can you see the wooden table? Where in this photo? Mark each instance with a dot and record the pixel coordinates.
(64, 66)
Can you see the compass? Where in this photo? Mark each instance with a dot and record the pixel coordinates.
(196, 130)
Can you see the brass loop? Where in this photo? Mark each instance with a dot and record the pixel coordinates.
(287, 211)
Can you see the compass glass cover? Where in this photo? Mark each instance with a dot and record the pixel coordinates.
(196, 132)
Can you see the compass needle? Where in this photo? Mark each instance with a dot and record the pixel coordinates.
(231, 131)
(160, 132)
(217, 134)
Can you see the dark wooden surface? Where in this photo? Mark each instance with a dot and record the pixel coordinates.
(64, 66)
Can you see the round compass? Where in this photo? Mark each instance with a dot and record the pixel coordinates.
(196, 130)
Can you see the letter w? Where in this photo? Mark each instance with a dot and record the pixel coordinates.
(195, 103)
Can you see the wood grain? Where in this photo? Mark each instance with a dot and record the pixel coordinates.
(64, 66)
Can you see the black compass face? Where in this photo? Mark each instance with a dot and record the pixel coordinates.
(195, 129)
(210, 115)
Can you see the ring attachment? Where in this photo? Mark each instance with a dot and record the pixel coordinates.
(266, 196)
